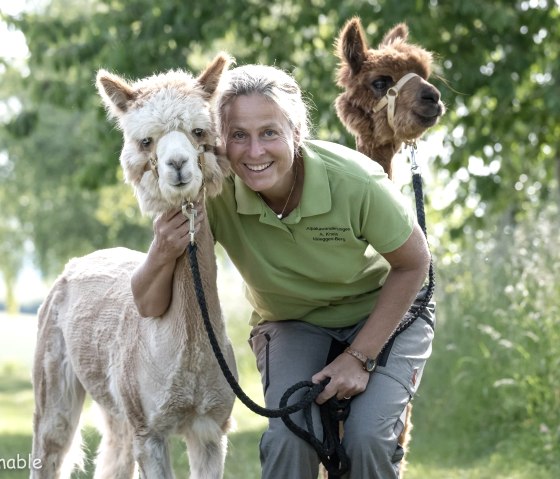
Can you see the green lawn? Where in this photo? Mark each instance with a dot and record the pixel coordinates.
(432, 455)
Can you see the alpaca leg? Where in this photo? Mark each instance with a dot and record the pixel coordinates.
(206, 447)
(115, 459)
(152, 455)
(59, 398)
(404, 437)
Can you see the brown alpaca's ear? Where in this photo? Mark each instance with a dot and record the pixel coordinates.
(352, 45)
(399, 33)
(210, 77)
(115, 92)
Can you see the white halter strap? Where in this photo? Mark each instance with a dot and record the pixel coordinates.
(390, 98)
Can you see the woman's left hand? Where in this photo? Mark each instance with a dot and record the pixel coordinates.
(347, 378)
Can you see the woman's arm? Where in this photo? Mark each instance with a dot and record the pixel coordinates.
(409, 266)
(152, 280)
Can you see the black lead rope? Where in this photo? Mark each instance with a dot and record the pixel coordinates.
(417, 308)
(330, 451)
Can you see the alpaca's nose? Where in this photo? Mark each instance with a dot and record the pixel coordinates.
(176, 162)
(430, 94)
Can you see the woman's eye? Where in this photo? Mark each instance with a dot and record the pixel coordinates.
(238, 135)
(269, 133)
(198, 132)
(146, 142)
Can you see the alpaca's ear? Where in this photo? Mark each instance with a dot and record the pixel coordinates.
(210, 77)
(399, 33)
(115, 92)
(352, 45)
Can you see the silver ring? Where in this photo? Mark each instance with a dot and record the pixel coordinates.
(347, 398)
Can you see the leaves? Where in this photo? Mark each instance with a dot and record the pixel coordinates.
(497, 65)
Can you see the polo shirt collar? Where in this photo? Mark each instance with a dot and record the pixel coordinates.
(316, 197)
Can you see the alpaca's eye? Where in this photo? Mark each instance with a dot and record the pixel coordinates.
(198, 132)
(146, 142)
(381, 84)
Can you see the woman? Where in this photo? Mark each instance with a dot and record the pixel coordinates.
(332, 258)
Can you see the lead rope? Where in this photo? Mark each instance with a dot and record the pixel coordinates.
(416, 309)
(330, 451)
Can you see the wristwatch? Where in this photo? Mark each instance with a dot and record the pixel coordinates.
(367, 363)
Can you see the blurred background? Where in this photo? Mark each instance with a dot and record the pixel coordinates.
(489, 405)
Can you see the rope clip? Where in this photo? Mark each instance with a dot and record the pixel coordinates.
(414, 166)
(190, 212)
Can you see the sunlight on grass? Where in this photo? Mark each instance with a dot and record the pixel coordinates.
(16, 400)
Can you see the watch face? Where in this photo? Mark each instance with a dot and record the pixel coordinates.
(370, 365)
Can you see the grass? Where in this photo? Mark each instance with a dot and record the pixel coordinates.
(429, 456)
(16, 409)
(488, 407)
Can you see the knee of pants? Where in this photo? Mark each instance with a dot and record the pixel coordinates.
(280, 441)
(373, 442)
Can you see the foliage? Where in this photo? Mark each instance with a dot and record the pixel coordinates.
(497, 64)
(493, 378)
(11, 256)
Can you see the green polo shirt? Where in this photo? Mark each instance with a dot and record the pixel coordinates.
(321, 263)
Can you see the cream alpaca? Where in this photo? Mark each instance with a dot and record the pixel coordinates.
(151, 377)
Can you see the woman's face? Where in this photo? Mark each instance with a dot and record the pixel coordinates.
(260, 144)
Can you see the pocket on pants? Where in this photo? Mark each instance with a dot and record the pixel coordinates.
(409, 351)
(260, 344)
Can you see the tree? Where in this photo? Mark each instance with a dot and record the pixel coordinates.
(497, 65)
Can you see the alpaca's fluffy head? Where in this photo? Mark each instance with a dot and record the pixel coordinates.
(367, 73)
(169, 118)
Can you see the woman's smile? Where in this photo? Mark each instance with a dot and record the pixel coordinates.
(257, 168)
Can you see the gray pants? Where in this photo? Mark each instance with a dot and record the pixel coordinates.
(291, 351)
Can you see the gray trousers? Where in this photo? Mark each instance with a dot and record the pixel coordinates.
(291, 351)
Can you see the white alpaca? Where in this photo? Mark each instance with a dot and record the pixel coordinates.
(151, 377)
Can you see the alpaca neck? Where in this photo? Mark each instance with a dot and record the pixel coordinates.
(184, 302)
(382, 154)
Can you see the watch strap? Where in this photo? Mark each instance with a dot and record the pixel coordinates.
(358, 355)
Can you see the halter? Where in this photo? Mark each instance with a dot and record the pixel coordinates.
(202, 148)
(390, 98)
(187, 207)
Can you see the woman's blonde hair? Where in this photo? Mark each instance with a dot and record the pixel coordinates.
(274, 84)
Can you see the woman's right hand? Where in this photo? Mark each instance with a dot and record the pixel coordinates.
(152, 280)
(171, 233)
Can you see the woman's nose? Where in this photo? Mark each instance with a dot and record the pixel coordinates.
(255, 148)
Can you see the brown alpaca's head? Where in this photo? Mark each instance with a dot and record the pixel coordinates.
(367, 75)
(169, 129)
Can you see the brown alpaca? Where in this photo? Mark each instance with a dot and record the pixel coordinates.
(369, 78)
(387, 101)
